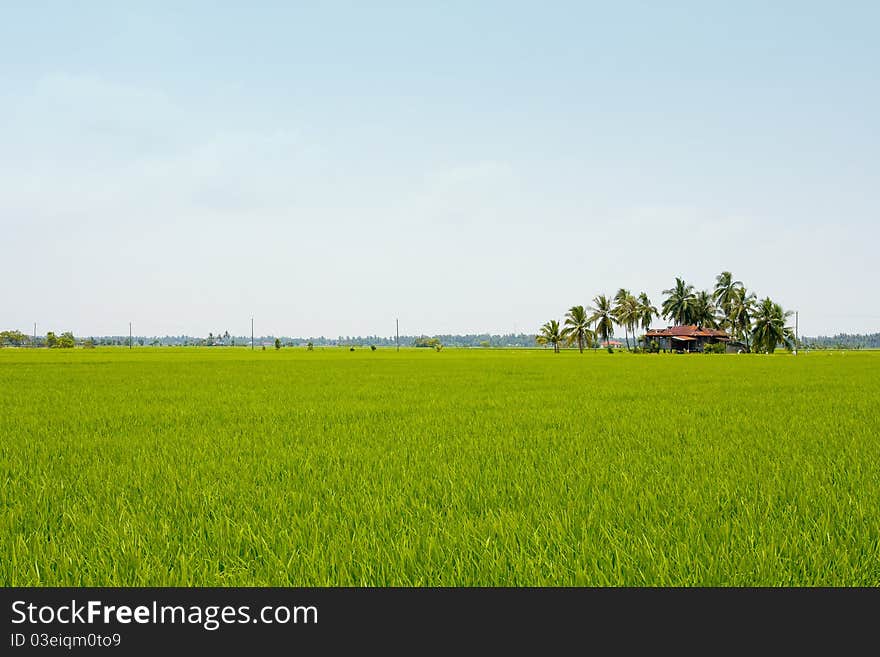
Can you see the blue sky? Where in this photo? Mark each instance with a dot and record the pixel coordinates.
(465, 166)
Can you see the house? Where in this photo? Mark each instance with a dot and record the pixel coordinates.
(689, 337)
(615, 344)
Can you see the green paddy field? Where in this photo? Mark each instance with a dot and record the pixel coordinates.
(226, 467)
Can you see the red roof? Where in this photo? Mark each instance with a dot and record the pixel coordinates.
(688, 330)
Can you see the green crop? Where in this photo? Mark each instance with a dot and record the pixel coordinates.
(223, 467)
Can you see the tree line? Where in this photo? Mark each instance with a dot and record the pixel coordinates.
(761, 325)
(51, 340)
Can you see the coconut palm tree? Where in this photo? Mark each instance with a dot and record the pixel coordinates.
(602, 317)
(770, 329)
(624, 312)
(646, 312)
(741, 310)
(577, 328)
(725, 288)
(703, 310)
(627, 313)
(678, 305)
(550, 334)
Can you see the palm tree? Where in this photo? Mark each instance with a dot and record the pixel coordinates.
(703, 310)
(577, 328)
(646, 312)
(725, 288)
(603, 317)
(678, 304)
(624, 309)
(631, 315)
(550, 334)
(740, 312)
(770, 329)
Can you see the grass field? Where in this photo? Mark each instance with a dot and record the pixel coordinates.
(231, 467)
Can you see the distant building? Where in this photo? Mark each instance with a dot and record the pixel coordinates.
(614, 344)
(689, 337)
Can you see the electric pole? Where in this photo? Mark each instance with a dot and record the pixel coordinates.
(252, 333)
(35, 334)
(397, 333)
(129, 335)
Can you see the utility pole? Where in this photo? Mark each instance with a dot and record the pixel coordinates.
(129, 335)
(795, 332)
(397, 333)
(252, 333)
(35, 335)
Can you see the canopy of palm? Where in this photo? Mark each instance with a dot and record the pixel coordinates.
(577, 328)
(769, 328)
(740, 310)
(679, 303)
(723, 295)
(603, 317)
(550, 334)
(647, 312)
(703, 310)
(626, 313)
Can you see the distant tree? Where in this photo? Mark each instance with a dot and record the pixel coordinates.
(551, 334)
(372, 347)
(277, 344)
(310, 346)
(89, 343)
(577, 328)
(485, 343)
(14, 338)
(602, 317)
(66, 341)
(769, 327)
(51, 340)
(679, 303)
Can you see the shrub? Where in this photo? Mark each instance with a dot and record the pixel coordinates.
(372, 347)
